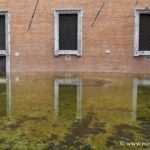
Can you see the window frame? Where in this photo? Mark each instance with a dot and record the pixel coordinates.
(6, 52)
(7, 39)
(57, 51)
(138, 52)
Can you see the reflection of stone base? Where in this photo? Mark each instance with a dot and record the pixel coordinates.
(2, 80)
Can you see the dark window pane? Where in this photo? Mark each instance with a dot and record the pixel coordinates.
(2, 64)
(144, 38)
(68, 27)
(2, 32)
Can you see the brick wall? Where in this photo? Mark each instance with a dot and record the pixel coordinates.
(113, 30)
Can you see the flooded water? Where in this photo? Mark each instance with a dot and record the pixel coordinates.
(88, 111)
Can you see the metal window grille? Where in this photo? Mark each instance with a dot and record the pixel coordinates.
(68, 31)
(2, 32)
(2, 64)
(144, 32)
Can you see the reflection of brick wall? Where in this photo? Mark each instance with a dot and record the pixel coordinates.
(2, 64)
(113, 31)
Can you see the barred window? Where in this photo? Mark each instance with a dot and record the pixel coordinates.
(4, 41)
(2, 32)
(142, 32)
(68, 28)
(68, 32)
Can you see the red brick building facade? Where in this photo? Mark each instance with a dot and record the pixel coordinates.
(107, 36)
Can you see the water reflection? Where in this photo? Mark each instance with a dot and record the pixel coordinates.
(68, 98)
(77, 111)
(3, 99)
(5, 96)
(141, 99)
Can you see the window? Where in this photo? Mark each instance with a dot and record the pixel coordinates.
(2, 32)
(142, 32)
(68, 32)
(4, 41)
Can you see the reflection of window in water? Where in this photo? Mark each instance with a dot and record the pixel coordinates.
(2, 64)
(141, 100)
(67, 99)
(5, 95)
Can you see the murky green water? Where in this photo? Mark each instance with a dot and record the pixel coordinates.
(89, 111)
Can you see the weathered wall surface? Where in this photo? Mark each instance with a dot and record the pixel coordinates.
(113, 30)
